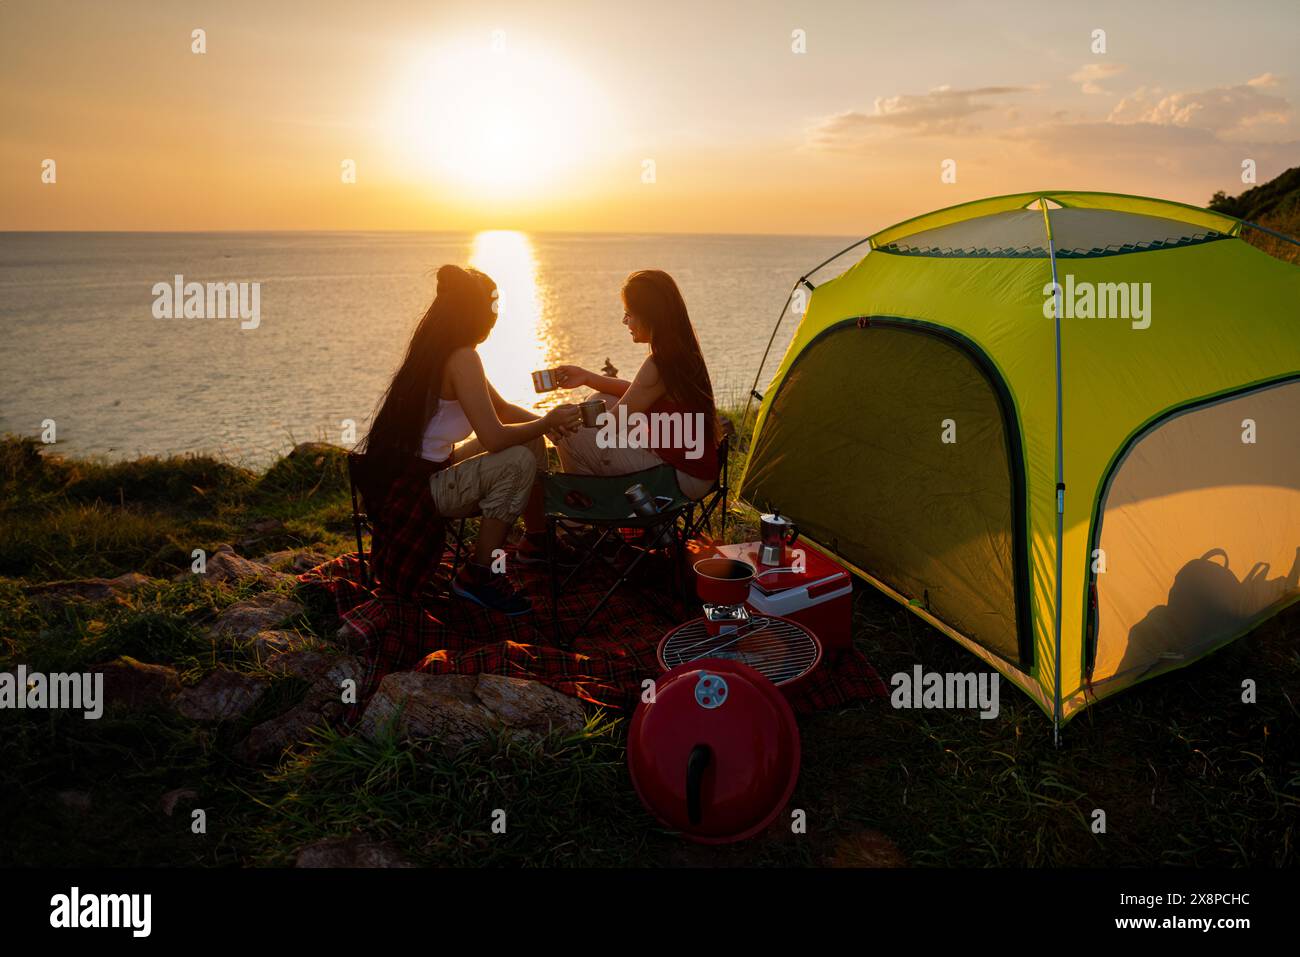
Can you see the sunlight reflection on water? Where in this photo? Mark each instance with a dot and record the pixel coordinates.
(516, 346)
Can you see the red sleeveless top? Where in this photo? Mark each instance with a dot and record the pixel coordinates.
(704, 467)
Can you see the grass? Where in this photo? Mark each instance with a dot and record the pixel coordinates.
(1185, 773)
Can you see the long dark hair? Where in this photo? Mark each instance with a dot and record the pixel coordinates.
(462, 313)
(653, 297)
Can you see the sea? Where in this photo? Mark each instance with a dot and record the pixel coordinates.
(95, 356)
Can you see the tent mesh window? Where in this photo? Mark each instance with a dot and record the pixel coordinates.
(1077, 233)
(854, 449)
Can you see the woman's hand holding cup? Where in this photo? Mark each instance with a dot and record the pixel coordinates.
(571, 377)
(563, 420)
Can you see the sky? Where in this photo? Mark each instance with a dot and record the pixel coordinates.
(833, 118)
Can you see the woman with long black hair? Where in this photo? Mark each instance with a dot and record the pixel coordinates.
(427, 466)
(673, 381)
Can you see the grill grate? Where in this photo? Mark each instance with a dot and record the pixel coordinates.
(777, 649)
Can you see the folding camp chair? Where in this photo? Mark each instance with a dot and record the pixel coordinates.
(717, 496)
(599, 501)
(363, 487)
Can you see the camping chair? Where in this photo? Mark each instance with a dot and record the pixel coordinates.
(598, 501)
(362, 484)
(709, 504)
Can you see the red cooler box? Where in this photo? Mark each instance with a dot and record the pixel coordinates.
(820, 597)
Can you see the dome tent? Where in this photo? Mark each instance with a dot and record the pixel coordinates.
(1061, 427)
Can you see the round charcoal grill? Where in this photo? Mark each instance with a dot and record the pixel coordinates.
(777, 648)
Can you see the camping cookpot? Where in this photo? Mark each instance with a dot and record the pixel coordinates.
(723, 581)
(715, 754)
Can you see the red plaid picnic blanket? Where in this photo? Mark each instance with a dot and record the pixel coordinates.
(606, 665)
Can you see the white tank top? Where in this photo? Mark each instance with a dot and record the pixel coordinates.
(447, 426)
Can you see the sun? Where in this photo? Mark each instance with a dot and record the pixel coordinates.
(493, 120)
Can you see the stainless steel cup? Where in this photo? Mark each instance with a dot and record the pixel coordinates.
(590, 411)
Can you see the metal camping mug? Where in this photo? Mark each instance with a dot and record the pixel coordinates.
(590, 411)
(544, 380)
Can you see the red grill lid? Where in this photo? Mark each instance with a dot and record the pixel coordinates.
(716, 754)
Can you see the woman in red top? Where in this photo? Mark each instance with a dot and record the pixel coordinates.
(672, 385)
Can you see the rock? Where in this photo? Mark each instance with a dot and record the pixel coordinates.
(530, 704)
(355, 851)
(133, 685)
(221, 696)
(90, 589)
(75, 801)
(299, 663)
(329, 682)
(247, 619)
(224, 565)
(267, 644)
(297, 560)
(458, 710)
(867, 849)
(322, 704)
(172, 798)
(350, 639)
(270, 738)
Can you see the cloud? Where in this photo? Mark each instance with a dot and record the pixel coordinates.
(1146, 157)
(942, 110)
(1090, 76)
(1229, 112)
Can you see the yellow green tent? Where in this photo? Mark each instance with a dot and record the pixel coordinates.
(1061, 427)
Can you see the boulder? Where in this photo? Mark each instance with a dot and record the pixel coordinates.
(224, 565)
(354, 851)
(299, 663)
(245, 620)
(133, 685)
(296, 560)
(459, 710)
(89, 589)
(222, 696)
(322, 705)
(270, 738)
(267, 644)
(350, 639)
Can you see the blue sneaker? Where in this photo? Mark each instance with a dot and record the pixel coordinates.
(493, 592)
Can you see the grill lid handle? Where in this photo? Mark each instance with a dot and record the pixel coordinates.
(701, 757)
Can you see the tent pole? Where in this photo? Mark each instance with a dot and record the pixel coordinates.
(1264, 229)
(753, 389)
(1060, 477)
(772, 338)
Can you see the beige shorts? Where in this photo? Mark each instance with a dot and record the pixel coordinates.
(580, 455)
(493, 484)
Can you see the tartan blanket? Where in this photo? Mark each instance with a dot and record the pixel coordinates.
(605, 667)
